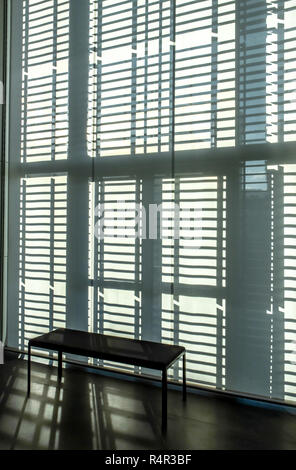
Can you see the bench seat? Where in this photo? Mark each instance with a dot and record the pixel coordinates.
(135, 352)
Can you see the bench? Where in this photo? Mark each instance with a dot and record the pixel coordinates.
(135, 352)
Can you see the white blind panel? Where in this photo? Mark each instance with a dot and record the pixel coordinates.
(195, 264)
(45, 64)
(160, 86)
(267, 71)
(115, 257)
(287, 174)
(202, 74)
(205, 74)
(199, 326)
(289, 66)
(42, 268)
(131, 77)
(199, 244)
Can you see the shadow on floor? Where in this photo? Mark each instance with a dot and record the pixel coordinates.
(93, 411)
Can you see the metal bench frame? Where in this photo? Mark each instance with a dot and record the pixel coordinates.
(48, 341)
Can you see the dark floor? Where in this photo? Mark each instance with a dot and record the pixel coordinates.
(91, 411)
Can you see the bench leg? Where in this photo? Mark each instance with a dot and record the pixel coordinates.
(184, 377)
(60, 365)
(29, 370)
(164, 400)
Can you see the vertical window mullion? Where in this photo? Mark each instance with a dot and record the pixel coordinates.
(54, 80)
(23, 264)
(214, 73)
(25, 79)
(51, 264)
(80, 167)
(101, 201)
(98, 111)
(220, 251)
(146, 76)
(134, 78)
(281, 70)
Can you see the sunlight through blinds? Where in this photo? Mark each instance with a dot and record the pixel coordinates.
(152, 181)
(42, 299)
(45, 80)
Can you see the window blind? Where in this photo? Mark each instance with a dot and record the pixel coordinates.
(123, 105)
(45, 56)
(42, 295)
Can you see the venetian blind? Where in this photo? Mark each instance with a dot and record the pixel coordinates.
(120, 105)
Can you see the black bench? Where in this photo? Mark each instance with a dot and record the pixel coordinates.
(112, 348)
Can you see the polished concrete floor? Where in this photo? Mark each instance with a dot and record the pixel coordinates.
(91, 411)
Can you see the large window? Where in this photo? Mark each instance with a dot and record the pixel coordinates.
(120, 106)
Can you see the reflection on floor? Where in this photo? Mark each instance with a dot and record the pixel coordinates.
(91, 411)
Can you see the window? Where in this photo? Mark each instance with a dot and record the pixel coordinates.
(128, 112)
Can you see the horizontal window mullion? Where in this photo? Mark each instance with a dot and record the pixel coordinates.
(207, 64)
(49, 83)
(46, 31)
(31, 23)
(45, 2)
(49, 92)
(52, 139)
(123, 2)
(46, 62)
(193, 2)
(45, 123)
(40, 10)
(36, 49)
(129, 43)
(199, 29)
